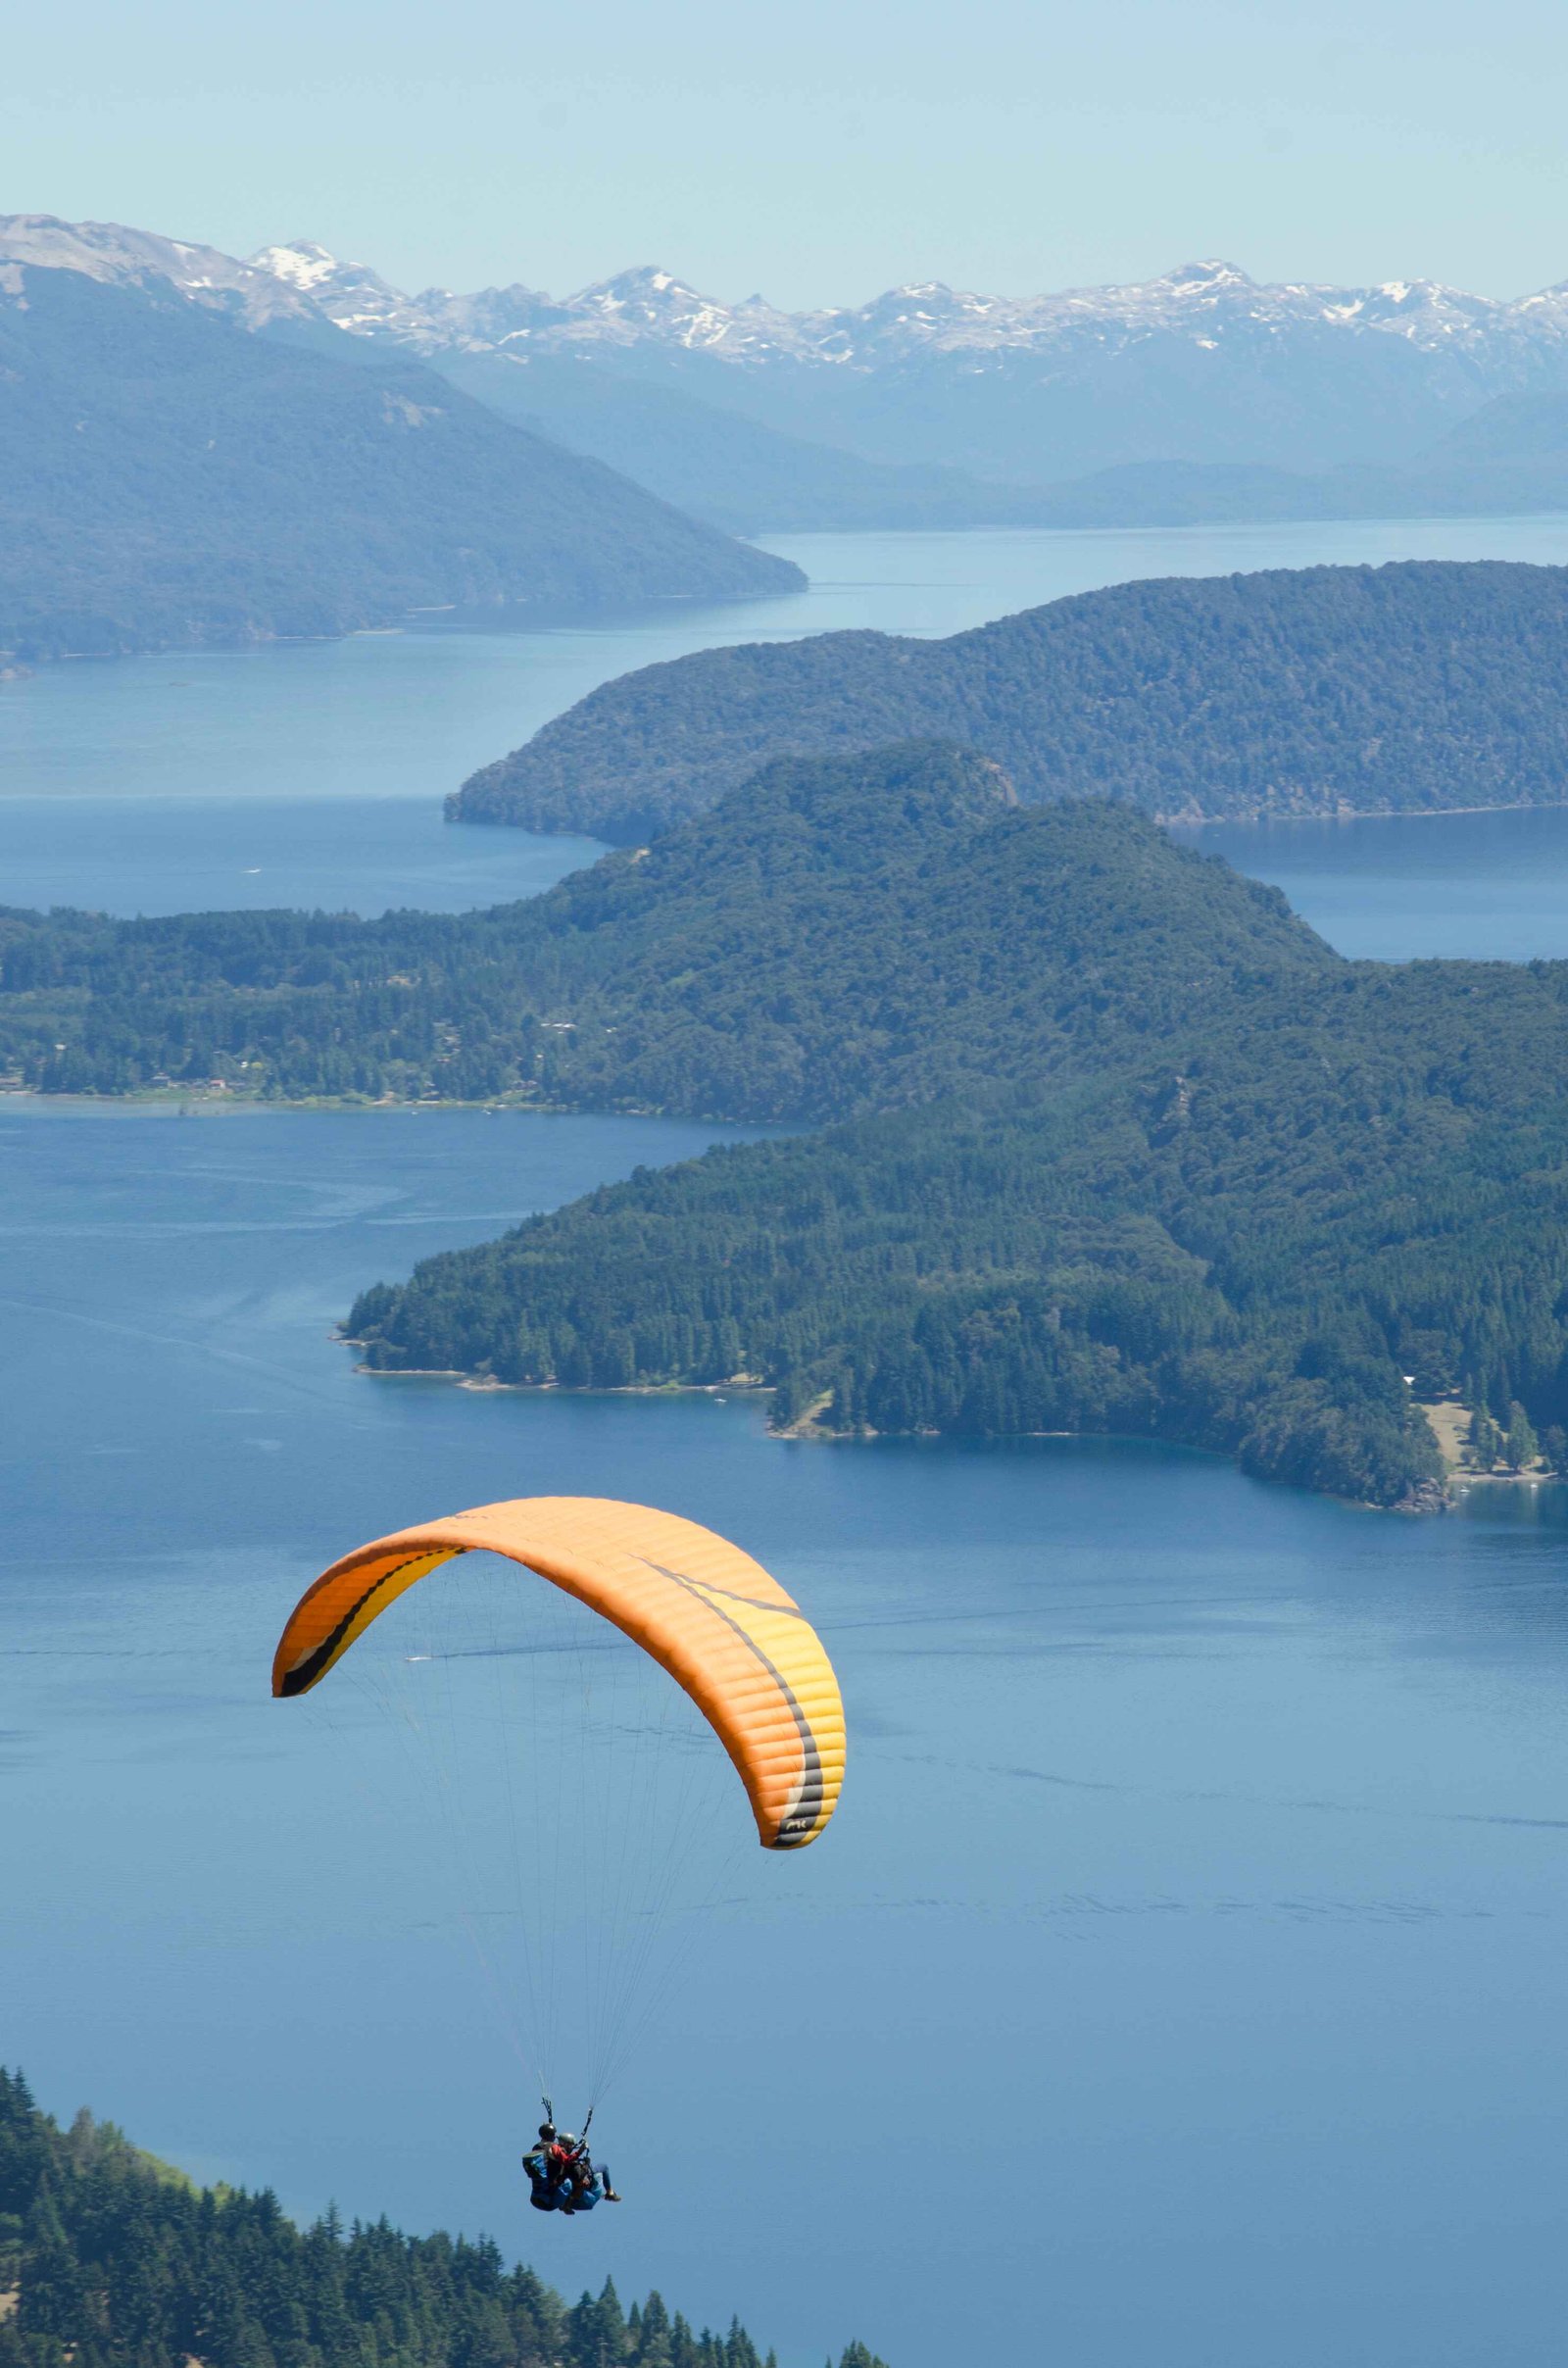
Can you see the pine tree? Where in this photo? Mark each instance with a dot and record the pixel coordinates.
(122, 2264)
(1486, 1439)
(1521, 1446)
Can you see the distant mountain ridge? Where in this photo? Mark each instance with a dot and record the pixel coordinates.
(720, 464)
(1200, 364)
(730, 471)
(1503, 339)
(1199, 396)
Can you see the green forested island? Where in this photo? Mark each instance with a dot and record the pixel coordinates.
(1408, 688)
(1107, 1139)
(170, 479)
(110, 2259)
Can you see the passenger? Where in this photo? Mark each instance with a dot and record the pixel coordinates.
(586, 2183)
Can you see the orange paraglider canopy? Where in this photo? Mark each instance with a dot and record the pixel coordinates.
(725, 1631)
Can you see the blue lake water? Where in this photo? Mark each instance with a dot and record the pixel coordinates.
(312, 774)
(1205, 1844)
(1491, 887)
(203, 854)
(411, 713)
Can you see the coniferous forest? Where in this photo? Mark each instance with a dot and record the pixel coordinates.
(1109, 1140)
(1411, 688)
(110, 2259)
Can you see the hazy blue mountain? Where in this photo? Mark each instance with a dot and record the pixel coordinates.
(1509, 456)
(705, 457)
(717, 464)
(1409, 687)
(1201, 395)
(1202, 364)
(171, 479)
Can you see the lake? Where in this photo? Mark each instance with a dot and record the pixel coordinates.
(312, 774)
(1182, 1980)
(1203, 1851)
(1491, 887)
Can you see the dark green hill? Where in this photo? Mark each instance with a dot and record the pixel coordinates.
(852, 933)
(1119, 1144)
(839, 934)
(1408, 688)
(110, 2259)
(1243, 1238)
(170, 479)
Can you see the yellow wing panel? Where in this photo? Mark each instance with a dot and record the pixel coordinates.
(707, 1612)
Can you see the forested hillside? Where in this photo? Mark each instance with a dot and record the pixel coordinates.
(1408, 688)
(110, 2259)
(839, 934)
(1117, 1142)
(170, 478)
(1243, 1241)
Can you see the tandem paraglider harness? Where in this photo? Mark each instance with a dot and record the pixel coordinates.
(562, 2177)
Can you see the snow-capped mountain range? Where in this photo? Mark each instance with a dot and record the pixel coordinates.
(1202, 365)
(1505, 339)
(1202, 302)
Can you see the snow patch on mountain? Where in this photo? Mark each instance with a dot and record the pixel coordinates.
(111, 252)
(302, 264)
(1211, 304)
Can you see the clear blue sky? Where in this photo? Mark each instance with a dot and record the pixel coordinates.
(820, 150)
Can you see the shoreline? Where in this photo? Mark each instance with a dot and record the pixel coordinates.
(1449, 1423)
(191, 1104)
(485, 1385)
(1435, 1497)
(1259, 816)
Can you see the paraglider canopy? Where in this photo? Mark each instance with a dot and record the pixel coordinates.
(706, 1611)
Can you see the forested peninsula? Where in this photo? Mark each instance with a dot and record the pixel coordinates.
(1410, 688)
(109, 2258)
(1108, 1140)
